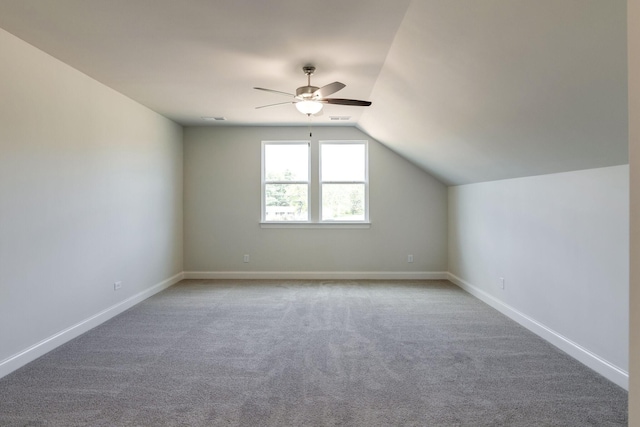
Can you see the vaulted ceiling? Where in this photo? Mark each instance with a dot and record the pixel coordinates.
(468, 90)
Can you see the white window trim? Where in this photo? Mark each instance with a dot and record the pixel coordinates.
(365, 182)
(327, 224)
(314, 212)
(264, 182)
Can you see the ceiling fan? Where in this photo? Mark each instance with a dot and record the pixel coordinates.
(310, 99)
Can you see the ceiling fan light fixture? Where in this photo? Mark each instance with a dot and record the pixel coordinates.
(309, 107)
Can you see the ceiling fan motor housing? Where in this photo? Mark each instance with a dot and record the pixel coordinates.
(306, 92)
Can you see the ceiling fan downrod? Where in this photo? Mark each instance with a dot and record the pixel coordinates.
(307, 92)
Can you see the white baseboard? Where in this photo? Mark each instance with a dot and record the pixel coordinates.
(20, 359)
(592, 360)
(318, 275)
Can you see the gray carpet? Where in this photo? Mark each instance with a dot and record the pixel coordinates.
(309, 353)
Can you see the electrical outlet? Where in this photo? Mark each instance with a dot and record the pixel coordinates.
(246, 258)
(502, 283)
(117, 285)
(409, 258)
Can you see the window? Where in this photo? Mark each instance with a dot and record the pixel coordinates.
(335, 193)
(343, 181)
(285, 185)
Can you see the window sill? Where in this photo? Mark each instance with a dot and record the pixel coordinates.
(335, 224)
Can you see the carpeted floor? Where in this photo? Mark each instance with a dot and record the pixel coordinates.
(309, 353)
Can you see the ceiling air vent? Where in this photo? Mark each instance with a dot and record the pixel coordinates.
(339, 118)
(213, 119)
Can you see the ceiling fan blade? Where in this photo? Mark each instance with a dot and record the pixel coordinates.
(273, 105)
(341, 101)
(328, 89)
(275, 91)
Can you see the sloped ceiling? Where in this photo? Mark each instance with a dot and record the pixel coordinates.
(469, 90)
(485, 90)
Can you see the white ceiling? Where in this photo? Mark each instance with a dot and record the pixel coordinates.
(469, 90)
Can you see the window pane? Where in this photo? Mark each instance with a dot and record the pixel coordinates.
(286, 162)
(343, 162)
(286, 202)
(343, 202)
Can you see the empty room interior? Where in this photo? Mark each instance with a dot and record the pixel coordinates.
(449, 240)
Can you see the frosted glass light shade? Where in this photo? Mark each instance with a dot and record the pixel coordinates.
(309, 107)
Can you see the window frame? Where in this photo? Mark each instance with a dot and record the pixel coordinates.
(264, 181)
(314, 193)
(365, 182)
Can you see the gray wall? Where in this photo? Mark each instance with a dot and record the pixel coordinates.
(222, 211)
(561, 242)
(90, 194)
